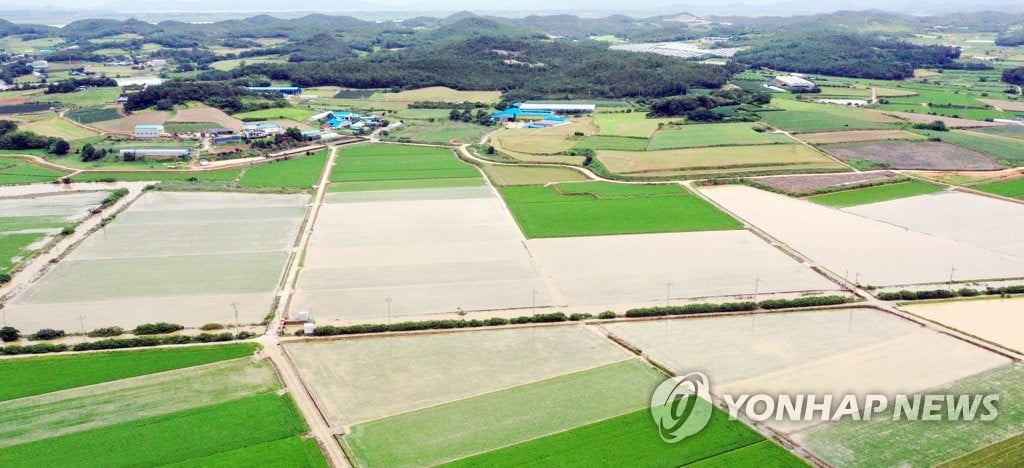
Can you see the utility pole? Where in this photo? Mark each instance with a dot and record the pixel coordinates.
(81, 323)
(951, 272)
(757, 284)
(387, 303)
(668, 293)
(235, 306)
(534, 293)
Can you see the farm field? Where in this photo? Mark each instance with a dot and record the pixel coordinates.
(1013, 188)
(910, 443)
(1010, 131)
(863, 196)
(628, 124)
(432, 250)
(221, 248)
(994, 320)
(180, 437)
(680, 162)
(206, 114)
(41, 375)
(1000, 454)
(408, 184)
(925, 155)
(632, 439)
(353, 389)
(864, 250)
(298, 114)
(976, 220)
(600, 208)
(859, 135)
(156, 176)
(723, 134)
(536, 175)
(397, 162)
(801, 117)
(633, 270)
(549, 140)
(88, 115)
(27, 224)
(21, 171)
(89, 97)
(1007, 151)
(804, 184)
(441, 132)
(814, 352)
(598, 142)
(440, 94)
(951, 122)
(75, 410)
(299, 172)
(231, 64)
(54, 126)
(455, 430)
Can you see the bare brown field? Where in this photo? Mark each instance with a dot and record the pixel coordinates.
(207, 114)
(127, 124)
(949, 121)
(717, 158)
(859, 135)
(1005, 105)
(803, 184)
(13, 100)
(924, 155)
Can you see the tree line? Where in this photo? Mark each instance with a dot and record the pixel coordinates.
(13, 139)
(224, 96)
(700, 107)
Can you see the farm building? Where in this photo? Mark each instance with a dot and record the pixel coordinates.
(559, 108)
(157, 63)
(40, 65)
(227, 139)
(149, 131)
(311, 135)
(261, 129)
(155, 152)
(218, 131)
(515, 114)
(290, 90)
(793, 83)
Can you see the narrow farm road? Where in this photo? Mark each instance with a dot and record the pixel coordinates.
(320, 426)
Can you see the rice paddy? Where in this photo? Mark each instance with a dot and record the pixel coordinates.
(397, 162)
(298, 172)
(863, 196)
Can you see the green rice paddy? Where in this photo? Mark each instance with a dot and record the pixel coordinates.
(398, 162)
(220, 176)
(299, 172)
(724, 134)
(39, 375)
(373, 185)
(15, 171)
(1013, 188)
(876, 194)
(601, 208)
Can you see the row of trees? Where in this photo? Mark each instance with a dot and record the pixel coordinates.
(1014, 76)
(700, 107)
(224, 96)
(70, 85)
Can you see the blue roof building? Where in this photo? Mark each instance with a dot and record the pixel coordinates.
(275, 89)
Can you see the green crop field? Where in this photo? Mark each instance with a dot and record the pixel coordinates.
(726, 134)
(54, 126)
(439, 132)
(15, 246)
(373, 185)
(885, 442)
(39, 375)
(531, 175)
(298, 114)
(294, 451)
(632, 439)
(301, 172)
(1008, 152)
(628, 124)
(877, 194)
(1007, 453)
(397, 162)
(1013, 188)
(802, 117)
(1011, 131)
(613, 143)
(186, 127)
(478, 424)
(89, 97)
(22, 171)
(88, 115)
(600, 208)
(222, 175)
(176, 437)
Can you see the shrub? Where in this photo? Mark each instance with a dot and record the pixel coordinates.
(5, 278)
(67, 230)
(106, 332)
(40, 348)
(245, 335)
(607, 315)
(47, 334)
(159, 328)
(691, 309)
(212, 326)
(9, 334)
(579, 317)
(331, 330)
(803, 302)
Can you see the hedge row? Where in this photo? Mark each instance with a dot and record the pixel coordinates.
(123, 343)
(948, 293)
(331, 330)
(691, 309)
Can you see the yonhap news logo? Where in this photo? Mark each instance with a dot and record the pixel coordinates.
(681, 407)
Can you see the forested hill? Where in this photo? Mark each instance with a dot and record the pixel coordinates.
(520, 67)
(846, 54)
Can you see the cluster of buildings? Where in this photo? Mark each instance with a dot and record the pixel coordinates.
(339, 120)
(541, 115)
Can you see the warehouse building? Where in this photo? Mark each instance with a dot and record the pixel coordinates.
(793, 83)
(557, 107)
(290, 90)
(149, 131)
